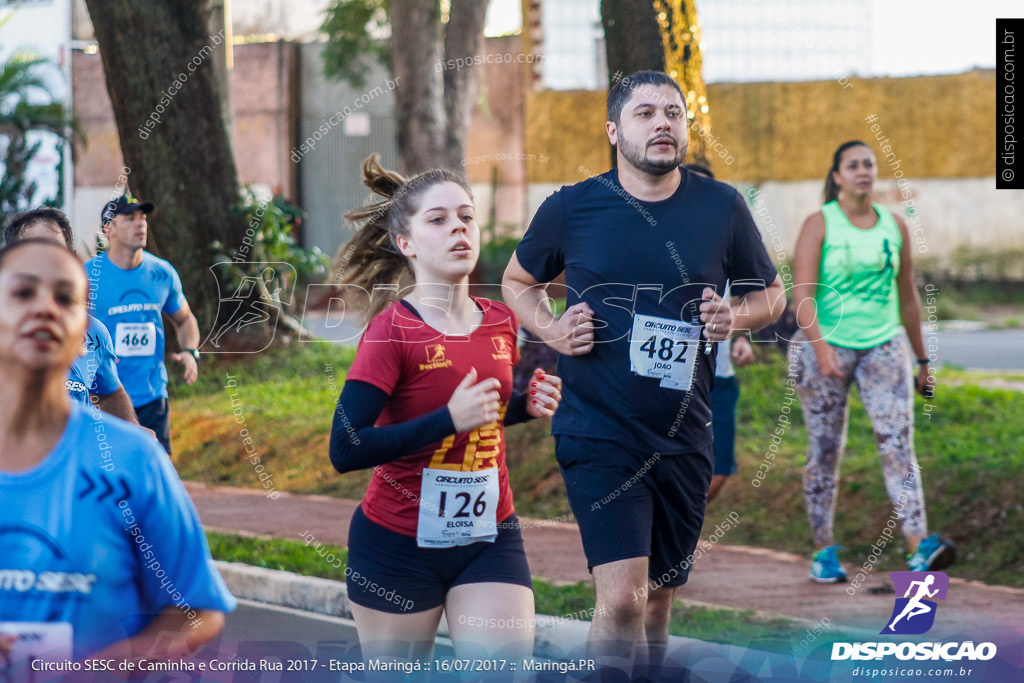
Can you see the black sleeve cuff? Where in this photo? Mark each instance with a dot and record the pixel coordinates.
(516, 411)
(357, 444)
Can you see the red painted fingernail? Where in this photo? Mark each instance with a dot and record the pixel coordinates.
(542, 377)
(532, 393)
(535, 403)
(533, 384)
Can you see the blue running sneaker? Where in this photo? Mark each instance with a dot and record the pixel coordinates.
(933, 553)
(825, 567)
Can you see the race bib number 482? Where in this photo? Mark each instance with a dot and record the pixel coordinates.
(135, 339)
(664, 349)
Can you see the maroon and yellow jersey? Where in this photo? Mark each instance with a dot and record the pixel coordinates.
(419, 368)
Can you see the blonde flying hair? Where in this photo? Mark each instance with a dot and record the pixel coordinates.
(371, 259)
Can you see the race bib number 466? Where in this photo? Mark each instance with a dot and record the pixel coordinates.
(135, 339)
(457, 508)
(664, 349)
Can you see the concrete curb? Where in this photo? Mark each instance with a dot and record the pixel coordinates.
(556, 638)
(328, 597)
(286, 589)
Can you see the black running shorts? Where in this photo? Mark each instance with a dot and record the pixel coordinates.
(631, 503)
(388, 572)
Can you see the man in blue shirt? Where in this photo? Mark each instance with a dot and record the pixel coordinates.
(93, 376)
(130, 289)
(646, 250)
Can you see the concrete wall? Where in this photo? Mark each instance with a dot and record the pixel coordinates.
(937, 127)
(496, 139)
(284, 19)
(264, 109)
(565, 128)
(933, 135)
(342, 125)
(99, 164)
(951, 212)
(941, 213)
(280, 99)
(264, 104)
(339, 126)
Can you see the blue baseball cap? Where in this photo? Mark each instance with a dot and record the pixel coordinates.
(124, 205)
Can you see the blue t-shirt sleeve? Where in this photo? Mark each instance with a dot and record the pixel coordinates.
(106, 381)
(750, 268)
(542, 250)
(189, 579)
(176, 298)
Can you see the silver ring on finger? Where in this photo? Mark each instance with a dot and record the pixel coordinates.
(714, 326)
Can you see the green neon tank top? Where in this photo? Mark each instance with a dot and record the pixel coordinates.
(857, 296)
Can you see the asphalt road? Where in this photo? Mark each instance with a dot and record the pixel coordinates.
(268, 644)
(976, 350)
(981, 350)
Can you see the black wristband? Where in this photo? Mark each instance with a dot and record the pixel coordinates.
(516, 411)
(923, 361)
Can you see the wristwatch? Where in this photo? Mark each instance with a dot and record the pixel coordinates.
(192, 352)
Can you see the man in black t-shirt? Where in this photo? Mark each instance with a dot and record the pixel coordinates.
(646, 250)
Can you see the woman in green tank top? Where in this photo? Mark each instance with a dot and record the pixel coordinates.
(854, 292)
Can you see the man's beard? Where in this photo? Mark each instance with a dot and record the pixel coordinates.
(637, 157)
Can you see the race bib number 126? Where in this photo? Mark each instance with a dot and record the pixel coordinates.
(457, 508)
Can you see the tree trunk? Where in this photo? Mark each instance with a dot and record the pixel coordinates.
(435, 95)
(464, 37)
(416, 63)
(684, 61)
(632, 41)
(656, 35)
(164, 92)
(632, 38)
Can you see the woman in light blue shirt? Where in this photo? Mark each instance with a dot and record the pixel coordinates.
(101, 553)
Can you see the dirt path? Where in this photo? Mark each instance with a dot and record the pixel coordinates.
(733, 576)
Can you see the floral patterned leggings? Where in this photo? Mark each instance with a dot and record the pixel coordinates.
(885, 380)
